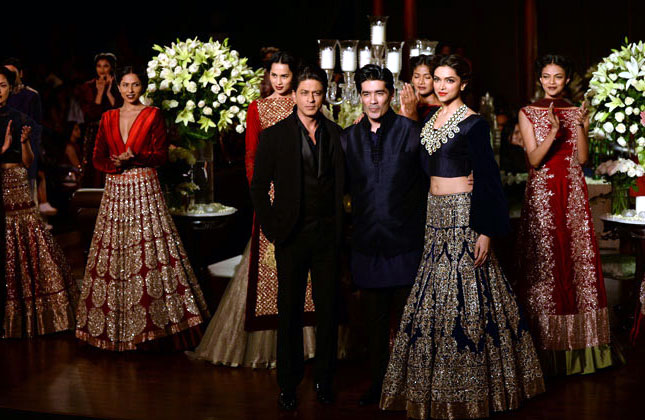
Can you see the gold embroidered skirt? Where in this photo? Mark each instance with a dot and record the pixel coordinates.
(40, 291)
(138, 284)
(462, 350)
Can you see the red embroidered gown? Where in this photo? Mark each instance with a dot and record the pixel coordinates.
(138, 284)
(562, 286)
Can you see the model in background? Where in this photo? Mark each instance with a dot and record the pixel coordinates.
(38, 294)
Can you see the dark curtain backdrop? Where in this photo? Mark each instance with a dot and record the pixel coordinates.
(64, 38)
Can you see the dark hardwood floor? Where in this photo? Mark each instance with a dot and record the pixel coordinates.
(57, 376)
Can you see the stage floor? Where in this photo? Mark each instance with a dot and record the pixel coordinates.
(52, 376)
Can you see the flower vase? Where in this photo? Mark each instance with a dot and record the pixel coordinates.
(203, 173)
(619, 198)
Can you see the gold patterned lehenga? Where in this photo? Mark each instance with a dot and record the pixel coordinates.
(463, 349)
(40, 291)
(242, 330)
(138, 285)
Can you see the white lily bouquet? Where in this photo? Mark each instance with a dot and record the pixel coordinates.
(202, 87)
(622, 173)
(617, 94)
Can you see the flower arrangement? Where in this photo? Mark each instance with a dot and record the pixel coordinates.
(509, 178)
(202, 87)
(622, 174)
(617, 94)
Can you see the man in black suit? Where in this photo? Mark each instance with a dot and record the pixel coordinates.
(303, 158)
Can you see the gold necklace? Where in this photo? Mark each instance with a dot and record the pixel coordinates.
(432, 139)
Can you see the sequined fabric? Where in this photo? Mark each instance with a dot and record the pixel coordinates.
(41, 294)
(563, 286)
(263, 275)
(463, 349)
(138, 283)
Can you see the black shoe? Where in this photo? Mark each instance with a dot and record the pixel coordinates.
(287, 401)
(371, 397)
(324, 393)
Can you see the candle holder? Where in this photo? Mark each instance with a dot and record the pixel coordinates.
(348, 63)
(364, 53)
(416, 46)
(428, 47)
(377, 37)
(393, 62)
(327, 56)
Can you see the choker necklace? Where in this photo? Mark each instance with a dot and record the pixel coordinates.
(433, 138)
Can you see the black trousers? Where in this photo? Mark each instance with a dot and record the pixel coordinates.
(380, 307)
(307, 250)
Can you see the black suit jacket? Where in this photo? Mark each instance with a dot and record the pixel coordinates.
(279, 160)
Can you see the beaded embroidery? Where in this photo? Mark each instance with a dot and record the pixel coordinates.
(432, 138)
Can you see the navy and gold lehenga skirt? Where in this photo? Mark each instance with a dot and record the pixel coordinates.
(40, 294)
(463, 349)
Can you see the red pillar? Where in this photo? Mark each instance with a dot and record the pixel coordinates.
(377, 8)
(410, 19)
(530, 47)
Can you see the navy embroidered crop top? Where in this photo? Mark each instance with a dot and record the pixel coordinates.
(452, 160)
(470, 151)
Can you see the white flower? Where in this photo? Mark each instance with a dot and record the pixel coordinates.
(241, 99)
(613, 77)
(621, 141)
(233, 99)
(164, 85)
(620, 128)
(173, 63)
(176, 87)
(169, 104)
(208, 111)
(190, 105)
(631, 173)
(152, 88)
(609, 66)
(234, 109)
(151, 73)
(629, 110)
(629, 100)
(216, 104)
(171, 52)
(145, 100)
(215, 88)
(239, 128)
(201, 104)
(178, 70)
(619, 116)
(633, 128)
(221, 98)
(608, 127)
(192, 87)
(223, 81)
(162, 57)
(193, 68)
(165, 74)
(152, 64)
(235, 73)
(641, 141)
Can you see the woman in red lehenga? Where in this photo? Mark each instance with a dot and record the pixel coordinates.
(563, 287)
(138, 285)
(243, 331)
(38, 293)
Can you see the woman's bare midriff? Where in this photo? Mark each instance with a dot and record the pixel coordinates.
(445, 186)
(10, 165)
